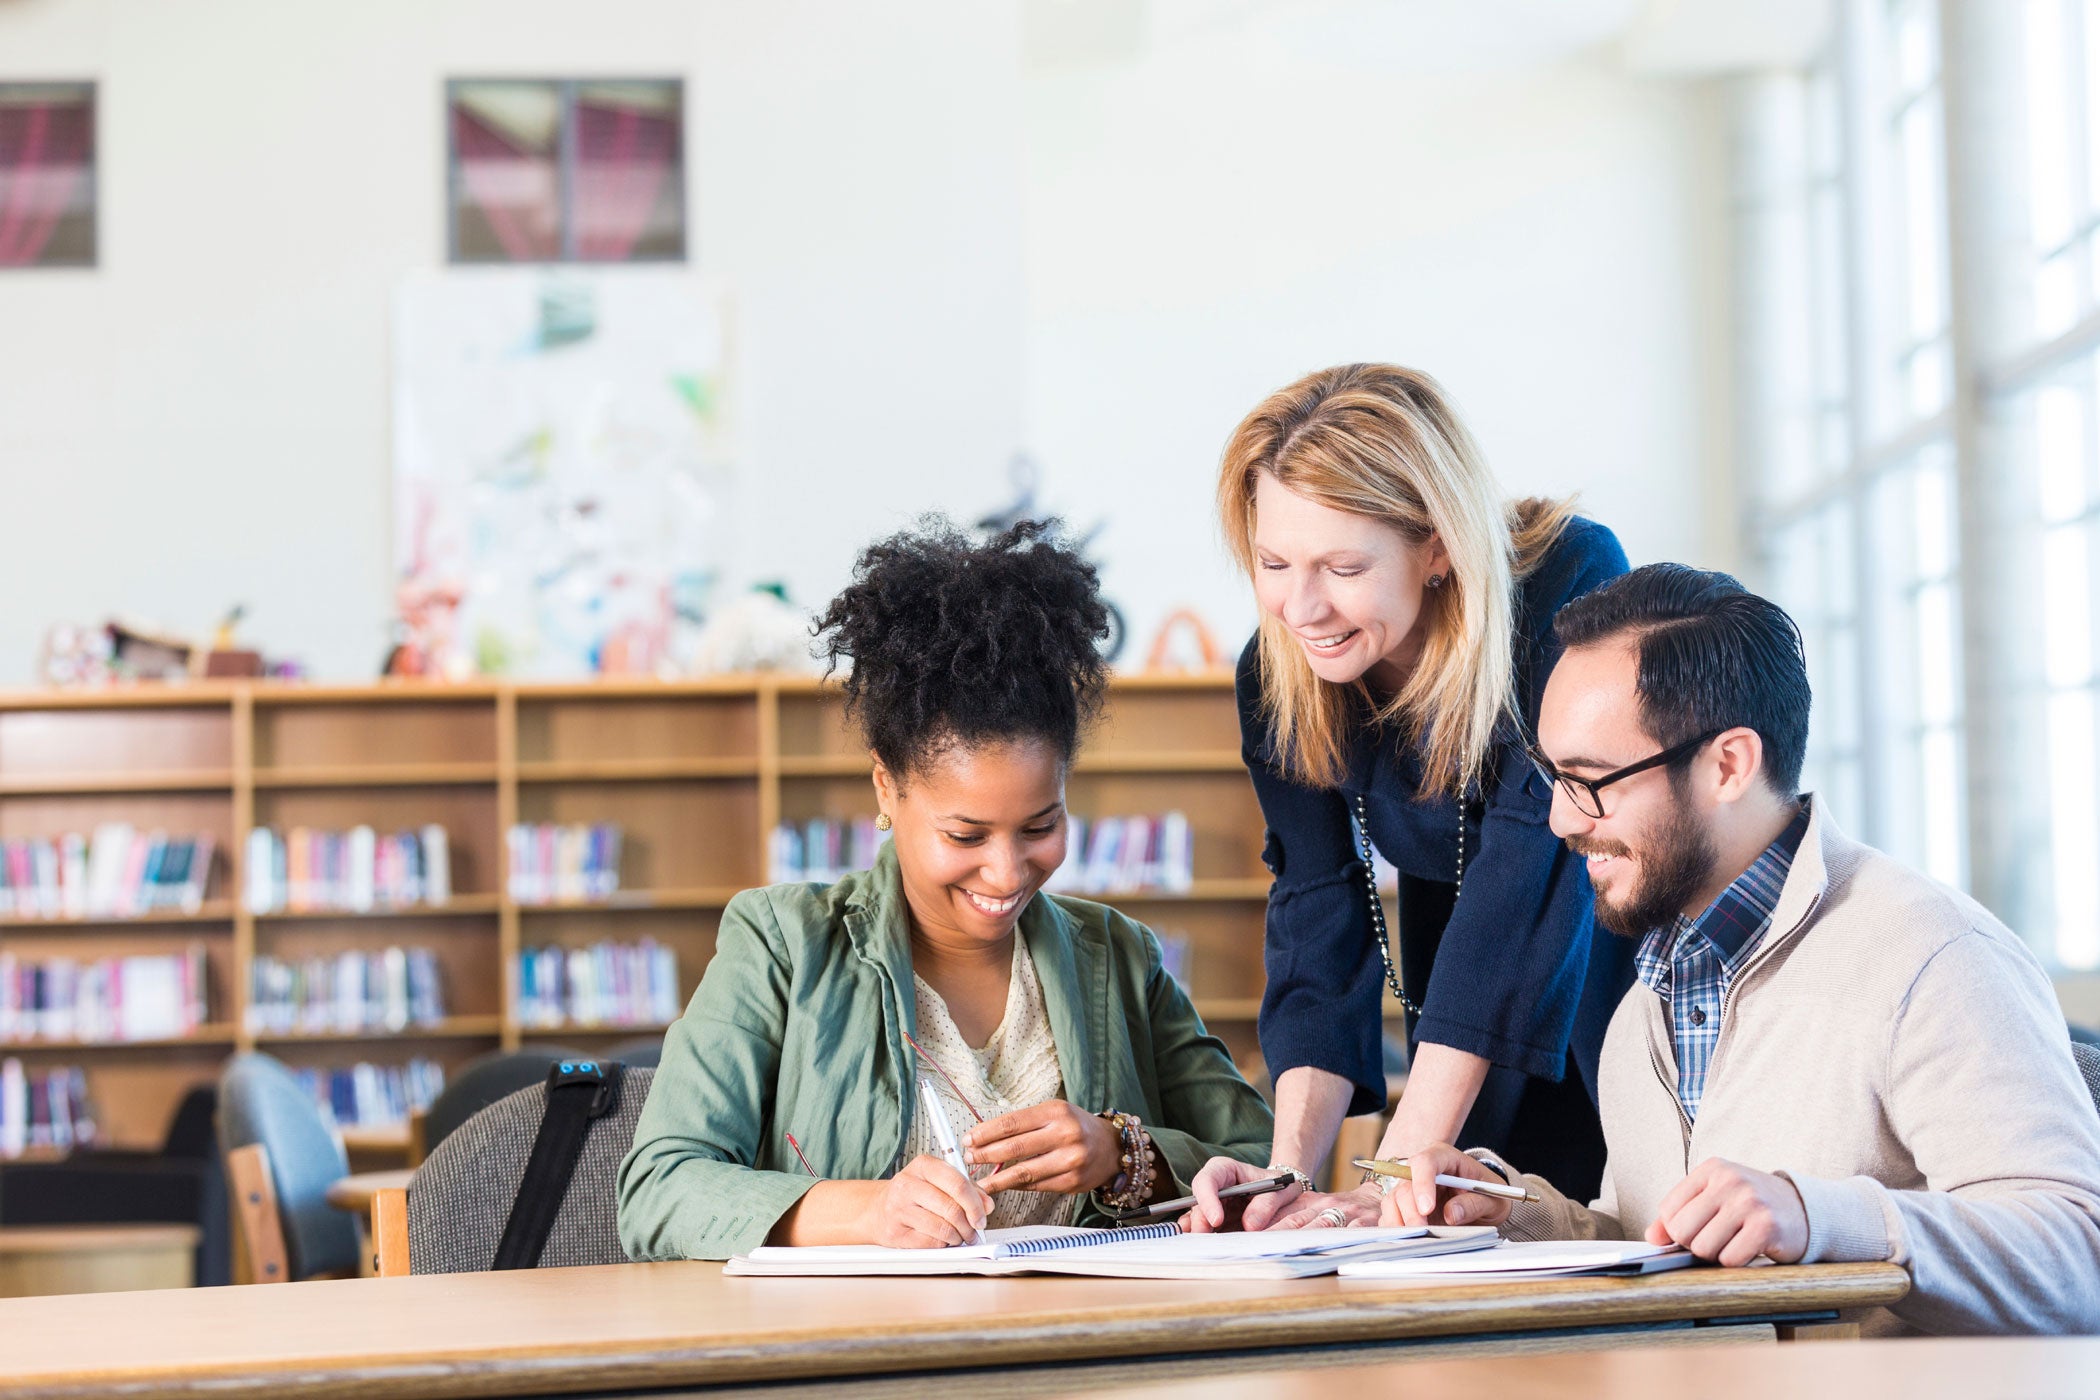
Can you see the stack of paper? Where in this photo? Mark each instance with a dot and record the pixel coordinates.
(1531, 1259)
(1145, 1252)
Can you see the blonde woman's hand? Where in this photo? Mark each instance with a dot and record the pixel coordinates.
(1310, 1211)
(1212, 1214)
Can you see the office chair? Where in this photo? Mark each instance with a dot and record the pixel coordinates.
(281, 1157)
(460, 1199)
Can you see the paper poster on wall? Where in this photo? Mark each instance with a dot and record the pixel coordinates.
(562, 467)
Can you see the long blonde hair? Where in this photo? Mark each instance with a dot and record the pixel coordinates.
(1384, 442)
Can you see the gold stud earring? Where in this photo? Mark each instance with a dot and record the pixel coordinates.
(882, 821)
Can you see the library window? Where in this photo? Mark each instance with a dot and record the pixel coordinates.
(1854, 529)
(2062, 45)
(47, 175)
(2067, 443)
(1910, 182)
(563, 171)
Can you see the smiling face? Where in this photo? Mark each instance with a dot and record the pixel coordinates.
(1349, 588)
(977, 830)
(1652, 853)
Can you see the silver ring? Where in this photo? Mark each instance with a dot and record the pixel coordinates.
(1333, 1216)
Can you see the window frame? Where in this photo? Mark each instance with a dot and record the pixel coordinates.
(565, 172)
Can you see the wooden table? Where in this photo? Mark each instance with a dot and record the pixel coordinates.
(376, 1148)
(632, 1326)
(1917, 1369)
(44, 1259)
(355, 1192)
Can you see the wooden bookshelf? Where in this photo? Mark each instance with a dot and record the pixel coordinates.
(696, 773)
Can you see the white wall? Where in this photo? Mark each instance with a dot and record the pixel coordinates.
(1212, 220)
(203, 419)
(939, 255)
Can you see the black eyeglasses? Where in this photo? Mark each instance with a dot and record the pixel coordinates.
(1588, 793)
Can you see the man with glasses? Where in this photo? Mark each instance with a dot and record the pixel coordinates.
(1827, 1056)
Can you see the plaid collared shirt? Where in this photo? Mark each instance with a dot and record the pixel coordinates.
(1691, 963)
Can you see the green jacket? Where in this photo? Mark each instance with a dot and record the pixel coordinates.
(798, 1027)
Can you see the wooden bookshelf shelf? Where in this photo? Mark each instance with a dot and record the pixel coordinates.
(638, 770)
(697, 774)
(1197, 892)
(216, 911)
(826, 765)
(460, 905)
(451, 1028)
(595, 1028)
(207, 1036)
(702, 897)
(1162, 762)
(854, 765)
(354, 775)
(68, 784)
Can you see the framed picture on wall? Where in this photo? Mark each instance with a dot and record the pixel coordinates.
(555, 170)
(47, 175)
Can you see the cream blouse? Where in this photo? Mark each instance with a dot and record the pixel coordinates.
(1017, 1068)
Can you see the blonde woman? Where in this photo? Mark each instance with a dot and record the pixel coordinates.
(1406, 635)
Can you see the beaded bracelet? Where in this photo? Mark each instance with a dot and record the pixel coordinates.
(1139, 1162)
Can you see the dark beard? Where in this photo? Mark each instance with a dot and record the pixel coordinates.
(1675, 864)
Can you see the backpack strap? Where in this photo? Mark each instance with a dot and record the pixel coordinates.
(578, 1092)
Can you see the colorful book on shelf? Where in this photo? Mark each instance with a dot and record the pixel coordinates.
(603, 984)
(103, 1000)
(114, 872)
(366, 1095)
(565, 864)
(388, 990)
(822, 849)
(44, 1109)
(358, 871)
(1106, 855)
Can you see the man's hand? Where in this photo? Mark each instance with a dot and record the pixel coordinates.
(1729, 1214)
(1422, 1202)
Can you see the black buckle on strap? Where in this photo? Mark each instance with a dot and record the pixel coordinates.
(566, 1074)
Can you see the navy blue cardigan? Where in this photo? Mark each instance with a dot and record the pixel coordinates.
(1510, 976)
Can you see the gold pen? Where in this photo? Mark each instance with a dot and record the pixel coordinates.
(1381, 1167)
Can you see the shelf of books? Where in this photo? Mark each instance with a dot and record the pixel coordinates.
(378, 883)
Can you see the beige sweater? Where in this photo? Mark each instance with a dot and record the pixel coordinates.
(1899, 1055)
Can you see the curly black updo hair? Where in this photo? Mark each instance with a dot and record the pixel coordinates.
(956, 643)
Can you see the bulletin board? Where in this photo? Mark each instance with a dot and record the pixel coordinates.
(562, 466)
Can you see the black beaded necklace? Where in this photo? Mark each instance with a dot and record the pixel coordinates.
(1378, 929)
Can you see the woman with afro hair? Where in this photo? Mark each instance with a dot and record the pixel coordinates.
(1072, 1066)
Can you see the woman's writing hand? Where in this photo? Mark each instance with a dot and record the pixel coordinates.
(1050, 1147)
(925, 1206)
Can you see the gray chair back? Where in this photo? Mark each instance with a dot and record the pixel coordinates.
(642, 1052)
(260, 1102)
(482, 1081)
(460, 1198)
(2088, 1058)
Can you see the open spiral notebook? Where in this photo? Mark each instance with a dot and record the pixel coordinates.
(1136, 1251)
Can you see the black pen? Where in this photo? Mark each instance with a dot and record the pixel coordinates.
(1261, 1187)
